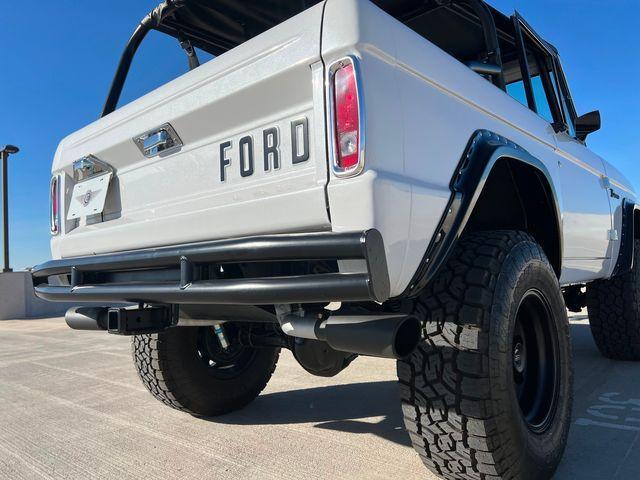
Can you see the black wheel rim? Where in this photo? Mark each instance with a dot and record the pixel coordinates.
(220, 362)
(534, 354)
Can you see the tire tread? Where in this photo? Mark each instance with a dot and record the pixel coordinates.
(614, 313)
(155, 361)
(446, 390)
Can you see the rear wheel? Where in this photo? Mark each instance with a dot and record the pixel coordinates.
(488, 393)
(187, 369)
(614, 313)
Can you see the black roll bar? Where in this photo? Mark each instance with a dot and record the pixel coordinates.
(151, 21)
(123, 68)
(166, 8)
(490, 31)
(524, 65)
(483, 12)
(523, 28)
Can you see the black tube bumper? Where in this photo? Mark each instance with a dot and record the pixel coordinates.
(373, 285)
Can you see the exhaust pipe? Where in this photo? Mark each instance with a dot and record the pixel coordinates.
(384, 336)
(87, 318)
(374, 336)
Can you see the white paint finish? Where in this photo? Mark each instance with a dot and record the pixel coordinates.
(586, 212)
(619, 181)
(124, 234)
(355, 22)
(581, 270)
(424, 220)
(375, 200)
(445, 103)
(413, 94)
(421, 108)
(613, 412)
(266, 82)
(442, 103)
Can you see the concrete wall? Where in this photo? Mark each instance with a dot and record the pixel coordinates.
(17, 300)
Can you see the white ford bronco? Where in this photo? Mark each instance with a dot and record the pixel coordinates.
(405, 179)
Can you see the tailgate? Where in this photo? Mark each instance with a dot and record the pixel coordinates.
(264, 98)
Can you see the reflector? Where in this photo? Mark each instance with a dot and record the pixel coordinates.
(54, 210)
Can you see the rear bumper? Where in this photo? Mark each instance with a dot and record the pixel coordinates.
(145, 275)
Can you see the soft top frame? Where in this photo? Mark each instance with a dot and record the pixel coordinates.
(217, 26)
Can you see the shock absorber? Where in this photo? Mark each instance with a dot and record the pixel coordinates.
(218, 329)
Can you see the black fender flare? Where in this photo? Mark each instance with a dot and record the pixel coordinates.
(484, 150)
(625, 260)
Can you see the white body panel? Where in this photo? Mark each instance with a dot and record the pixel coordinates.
(586, 215)
(421, 108)
(267, 82)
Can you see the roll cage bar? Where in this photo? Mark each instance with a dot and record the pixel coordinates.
(149, 22)
(213, 26)
(522, 28)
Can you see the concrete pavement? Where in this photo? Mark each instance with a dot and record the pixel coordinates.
(72, 407)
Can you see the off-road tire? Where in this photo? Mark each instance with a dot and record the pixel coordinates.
(458, 390)
(170, 368)
(614, 313)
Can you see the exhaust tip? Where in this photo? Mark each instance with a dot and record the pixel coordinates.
(407, 337)
(384, 336)
(86, 318)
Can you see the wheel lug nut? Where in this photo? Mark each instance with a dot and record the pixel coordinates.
(519, 361)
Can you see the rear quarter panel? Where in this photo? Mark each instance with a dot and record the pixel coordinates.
(422, 107)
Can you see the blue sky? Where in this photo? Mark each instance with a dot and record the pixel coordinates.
(59, 57)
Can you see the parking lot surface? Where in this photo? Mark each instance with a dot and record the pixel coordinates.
(72, 407)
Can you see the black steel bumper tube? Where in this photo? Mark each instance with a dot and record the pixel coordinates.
(368, 246)
(250, 291)
(313, 246)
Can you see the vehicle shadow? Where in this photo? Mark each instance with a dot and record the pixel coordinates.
(350, 408)
(339, 407)
(604, 441)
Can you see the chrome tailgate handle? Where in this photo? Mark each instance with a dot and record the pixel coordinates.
(159, 140)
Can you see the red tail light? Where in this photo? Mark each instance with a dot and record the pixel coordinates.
(348, 150)
(54, 210)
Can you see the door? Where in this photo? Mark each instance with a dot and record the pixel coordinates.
(586, 212)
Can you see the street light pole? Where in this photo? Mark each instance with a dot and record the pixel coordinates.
(4, 159)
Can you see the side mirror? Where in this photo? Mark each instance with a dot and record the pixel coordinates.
(587, 124)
